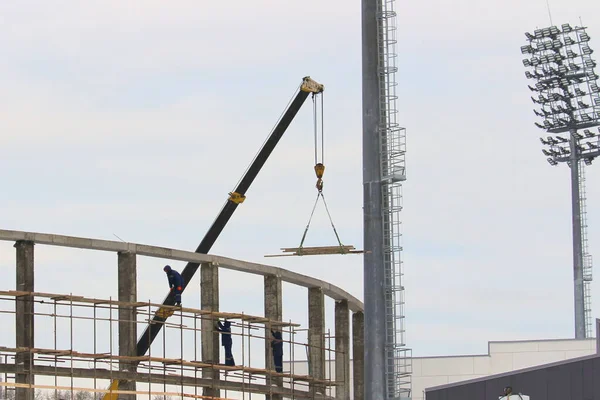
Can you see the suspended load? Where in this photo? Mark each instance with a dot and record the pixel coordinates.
(319, 171)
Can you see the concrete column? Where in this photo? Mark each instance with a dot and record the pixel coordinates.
(127, 287)
(342, 350)
(358, 355)
(316, 336)
(273, 311)
(209, 300)
(24, 318)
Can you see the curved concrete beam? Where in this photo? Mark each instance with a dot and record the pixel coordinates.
(330, 290)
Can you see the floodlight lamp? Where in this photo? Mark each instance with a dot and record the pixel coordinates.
(529, 36)
(584, 37)
(566, 28)
(526, 49)
(571, 54)
(551, 161)
(586, 50)
(588, 161)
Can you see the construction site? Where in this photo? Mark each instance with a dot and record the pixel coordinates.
(72, 345)
(97, 345)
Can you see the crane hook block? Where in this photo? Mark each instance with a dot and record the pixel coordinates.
(236, 198)
(319, 170)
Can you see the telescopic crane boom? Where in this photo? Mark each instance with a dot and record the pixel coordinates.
(236, 197)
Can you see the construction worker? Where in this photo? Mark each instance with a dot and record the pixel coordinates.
(175, 283)
(226, 341)
(277, 347)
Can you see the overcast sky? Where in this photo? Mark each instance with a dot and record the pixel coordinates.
(137, 118)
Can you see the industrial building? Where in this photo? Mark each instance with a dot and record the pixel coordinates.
(432, 376)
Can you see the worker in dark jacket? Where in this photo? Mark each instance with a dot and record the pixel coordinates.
(226, 341)
(175, 283)
(277, 347)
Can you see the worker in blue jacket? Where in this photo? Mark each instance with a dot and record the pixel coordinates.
(175, 283)
(277, 347)
(226, 341)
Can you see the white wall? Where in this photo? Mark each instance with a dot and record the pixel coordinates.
(501, 357)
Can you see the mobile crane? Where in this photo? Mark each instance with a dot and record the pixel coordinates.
(236, 197)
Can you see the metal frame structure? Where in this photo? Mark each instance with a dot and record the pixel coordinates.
(387, 359)
(169, 369)
(569, 99)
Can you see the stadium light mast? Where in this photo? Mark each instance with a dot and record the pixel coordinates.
(568, 97)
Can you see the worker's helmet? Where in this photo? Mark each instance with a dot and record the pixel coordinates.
(167, 268)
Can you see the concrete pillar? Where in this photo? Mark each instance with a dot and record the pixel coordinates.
(358, 355)
(342, 350)
(316, 336)
(273, 311)
(127, 287)
(24, 318)
(209, 300)
(598, 335)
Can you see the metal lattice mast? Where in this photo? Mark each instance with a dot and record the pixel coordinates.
(569, 100)
(587, 258)
(392, 157)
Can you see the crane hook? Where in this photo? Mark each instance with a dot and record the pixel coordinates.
(319, 171)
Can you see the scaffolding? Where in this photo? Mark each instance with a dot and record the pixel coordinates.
(587, 258)
(171, 367)
(393, 148)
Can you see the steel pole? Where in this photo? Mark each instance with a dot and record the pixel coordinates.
(374, 341)
(577, 243)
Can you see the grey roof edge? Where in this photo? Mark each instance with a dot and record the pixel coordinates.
(294, 278)
(515, 372)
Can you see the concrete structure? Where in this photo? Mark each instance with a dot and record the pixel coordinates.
(502, 357)
(316, 335)
(127, 372)
(342, 349)
(209, 300)
(273, 298)
(357, 372)
(24, 323)
(127, 284)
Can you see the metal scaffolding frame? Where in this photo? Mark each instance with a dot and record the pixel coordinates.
(179, 376)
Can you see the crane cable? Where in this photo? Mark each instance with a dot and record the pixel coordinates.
(319, 170)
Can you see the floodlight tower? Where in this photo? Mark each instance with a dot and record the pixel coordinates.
(568, 97)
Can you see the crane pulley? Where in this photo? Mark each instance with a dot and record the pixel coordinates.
(319, 168)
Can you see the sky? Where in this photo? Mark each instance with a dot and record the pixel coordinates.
(135, 119)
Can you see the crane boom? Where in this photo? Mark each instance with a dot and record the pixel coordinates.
(235, 198)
